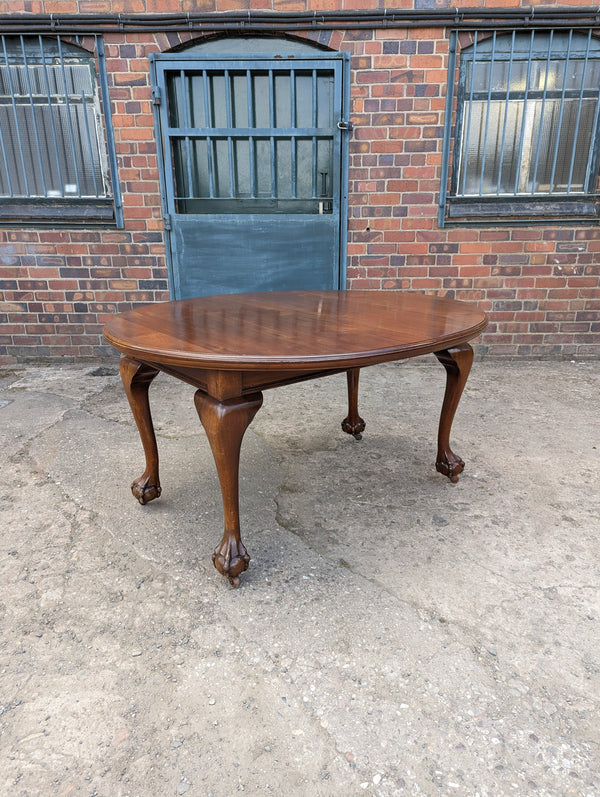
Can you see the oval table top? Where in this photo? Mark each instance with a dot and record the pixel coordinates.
(286, 329)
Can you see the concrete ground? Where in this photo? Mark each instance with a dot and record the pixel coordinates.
(395, 634)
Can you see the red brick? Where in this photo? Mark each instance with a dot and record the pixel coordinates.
(524, 275)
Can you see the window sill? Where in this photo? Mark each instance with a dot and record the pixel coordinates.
(57, 213)
(522, 210)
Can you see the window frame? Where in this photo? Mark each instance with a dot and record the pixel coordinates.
(44, 208)
(517, 207)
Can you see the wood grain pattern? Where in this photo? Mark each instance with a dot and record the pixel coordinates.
(293, 329)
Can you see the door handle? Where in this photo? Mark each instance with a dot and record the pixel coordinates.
(349, 126)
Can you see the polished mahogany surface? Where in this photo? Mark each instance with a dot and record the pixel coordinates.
(286, 329)
(233, 347)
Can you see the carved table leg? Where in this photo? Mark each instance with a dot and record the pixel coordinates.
(457, 362)
(353, 424)
(136, 380)
(225, 423)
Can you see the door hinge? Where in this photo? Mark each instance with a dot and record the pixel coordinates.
(167, 221)
(156, 95)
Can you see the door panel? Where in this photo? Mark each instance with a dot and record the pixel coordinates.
(232, 254)
(252, 155)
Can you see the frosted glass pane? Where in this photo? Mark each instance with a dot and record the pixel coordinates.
(559, 148)
(49, 152)
(527, 125)
(491, 162)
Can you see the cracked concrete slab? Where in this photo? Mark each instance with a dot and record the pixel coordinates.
(395, 634)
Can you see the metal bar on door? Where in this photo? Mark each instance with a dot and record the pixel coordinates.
(251, 142)
(293, 141)
(229, 118)
(209, 152)
(271, 138)
(188, 149)
(314, 92)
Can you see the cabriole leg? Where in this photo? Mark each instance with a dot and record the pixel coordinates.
(457, 362)
(225, 423)
(137, 378)
(353, 424)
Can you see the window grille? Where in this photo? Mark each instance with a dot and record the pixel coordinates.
(53, 158)
(527, 133)
(252, 140)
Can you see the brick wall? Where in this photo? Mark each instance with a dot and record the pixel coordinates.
(59, 286)
(539, 284)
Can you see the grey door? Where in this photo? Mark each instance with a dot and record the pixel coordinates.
(253, 158)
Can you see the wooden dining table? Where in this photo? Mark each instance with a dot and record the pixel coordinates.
(234, 346)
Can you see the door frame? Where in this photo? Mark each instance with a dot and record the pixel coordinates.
(197, 57)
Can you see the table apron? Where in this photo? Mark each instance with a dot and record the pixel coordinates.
(226, 384)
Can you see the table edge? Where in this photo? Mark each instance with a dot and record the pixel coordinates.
(355, 359)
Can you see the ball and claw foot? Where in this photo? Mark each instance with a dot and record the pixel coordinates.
(355, 429)
(450, 465)
(231, 559)
(145, 492)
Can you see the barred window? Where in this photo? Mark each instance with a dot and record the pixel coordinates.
(526, 141)
(53, 154)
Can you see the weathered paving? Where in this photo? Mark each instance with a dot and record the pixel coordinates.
(395, 634)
